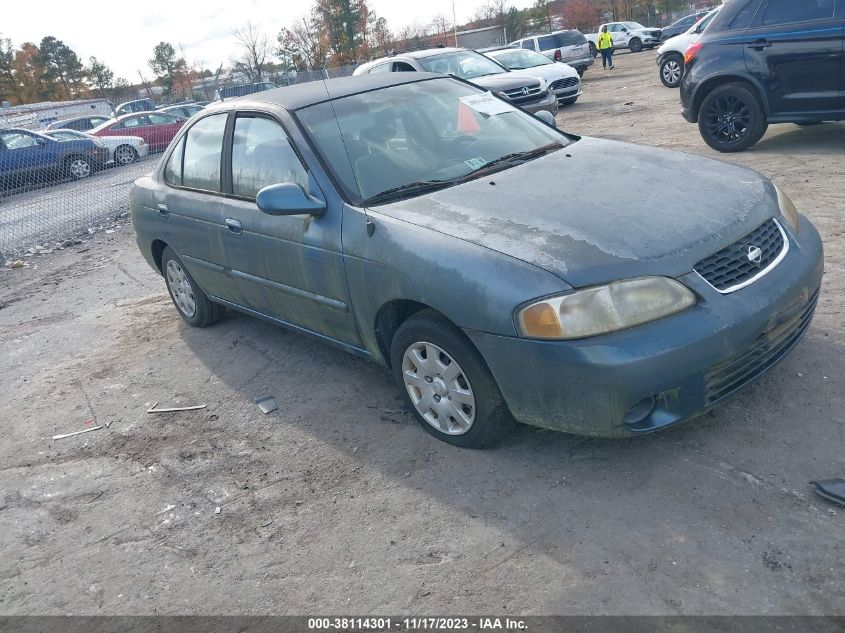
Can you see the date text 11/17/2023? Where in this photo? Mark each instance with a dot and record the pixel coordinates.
(422, 623)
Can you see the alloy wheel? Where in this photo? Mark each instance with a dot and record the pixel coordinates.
(180, 288)
(438, 388)
(672, 72)
(79, 168)
(124, 155)
(728, 119)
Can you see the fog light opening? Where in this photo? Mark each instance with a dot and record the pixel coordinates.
(640, 411)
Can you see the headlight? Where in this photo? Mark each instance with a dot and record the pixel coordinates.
(787, 209)
(604, 309)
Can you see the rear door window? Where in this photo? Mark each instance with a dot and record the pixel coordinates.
(570, 38)
(203, 149)
(262, 155)
(546, 43)
(529, 44)
(789, 11)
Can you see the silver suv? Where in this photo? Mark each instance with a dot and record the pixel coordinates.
(570, 47)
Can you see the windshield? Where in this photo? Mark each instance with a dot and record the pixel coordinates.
(633, 25)
(463, 64)
(437, 130)
(518, 59)
(703, 24)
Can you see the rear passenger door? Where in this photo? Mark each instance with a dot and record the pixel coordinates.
(191, 210)
(795, 50)
(287, 267)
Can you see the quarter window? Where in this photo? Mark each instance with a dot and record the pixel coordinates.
(203, 148)
(173, 168)
(529, 44)
(788, 11)
(262, 155)
(381, 68)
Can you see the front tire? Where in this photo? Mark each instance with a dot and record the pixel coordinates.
(593, 50)
(635, 45)
(731, 118)
(672, 71)
(78, 167)
(447, 384)
(191, 302)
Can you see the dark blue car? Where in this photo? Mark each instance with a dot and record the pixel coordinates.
(29, 158)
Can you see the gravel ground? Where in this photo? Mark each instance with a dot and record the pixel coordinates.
(339, 503)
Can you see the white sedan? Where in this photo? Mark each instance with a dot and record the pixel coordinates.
(562, 78)
(123, 150)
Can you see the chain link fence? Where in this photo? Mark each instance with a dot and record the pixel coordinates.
(58, 185)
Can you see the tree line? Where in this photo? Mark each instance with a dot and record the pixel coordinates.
(332, 33)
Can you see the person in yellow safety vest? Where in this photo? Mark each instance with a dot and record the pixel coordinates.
(606, 48)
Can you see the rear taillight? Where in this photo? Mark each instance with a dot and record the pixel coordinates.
(558, 56)
(692, 51)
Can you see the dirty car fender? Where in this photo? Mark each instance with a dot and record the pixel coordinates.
(473, 286)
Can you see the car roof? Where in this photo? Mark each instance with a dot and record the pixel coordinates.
(302, 95)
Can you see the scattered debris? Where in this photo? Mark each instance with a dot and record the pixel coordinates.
(831, 489)
(217, 510)
(18, 263)
(64, 435)
(172, 409)
(266, 404)
(167, 509)
(108, 424)
(270, 522)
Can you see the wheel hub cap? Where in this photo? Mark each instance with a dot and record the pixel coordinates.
(180, 288)
(438, 388)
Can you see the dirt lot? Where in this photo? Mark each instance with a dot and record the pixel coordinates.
(338, 502)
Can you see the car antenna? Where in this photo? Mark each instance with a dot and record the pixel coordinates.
(371, 228)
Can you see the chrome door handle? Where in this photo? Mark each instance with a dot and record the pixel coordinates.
(234, 226)
(162, 209)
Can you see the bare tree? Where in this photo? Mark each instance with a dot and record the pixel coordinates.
(255, 50)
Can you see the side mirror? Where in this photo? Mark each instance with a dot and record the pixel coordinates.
(546, 117)
(288, 198)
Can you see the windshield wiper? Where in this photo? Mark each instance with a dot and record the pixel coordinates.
(409, 189)
(514, 158)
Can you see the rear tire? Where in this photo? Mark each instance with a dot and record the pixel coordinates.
(672, 71)
(125, 155)
(731, 118)
(635, 45)
(455, 397)
(78, 167)
(191, 302)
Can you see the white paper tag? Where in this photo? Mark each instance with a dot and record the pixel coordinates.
(475, 163)
(487, 104)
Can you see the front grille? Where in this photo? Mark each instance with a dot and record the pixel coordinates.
(522, 96)
(733, 267)
(731, 374)
(560, 84)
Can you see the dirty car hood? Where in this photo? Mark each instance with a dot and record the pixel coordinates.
(601, 210)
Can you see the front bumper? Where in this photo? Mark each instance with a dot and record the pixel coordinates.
(549, 103)
(687, 363)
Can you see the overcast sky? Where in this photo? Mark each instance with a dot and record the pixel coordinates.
(123, 34)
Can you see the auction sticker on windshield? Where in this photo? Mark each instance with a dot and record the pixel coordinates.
(487, 104)
(475, 163)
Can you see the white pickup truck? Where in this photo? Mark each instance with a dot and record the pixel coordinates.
(631, 35)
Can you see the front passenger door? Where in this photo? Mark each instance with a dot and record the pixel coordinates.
(286, 267)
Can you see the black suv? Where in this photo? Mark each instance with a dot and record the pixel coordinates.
(765, 61)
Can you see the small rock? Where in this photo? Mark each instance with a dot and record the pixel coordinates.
(18, 263)
(217, 510)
